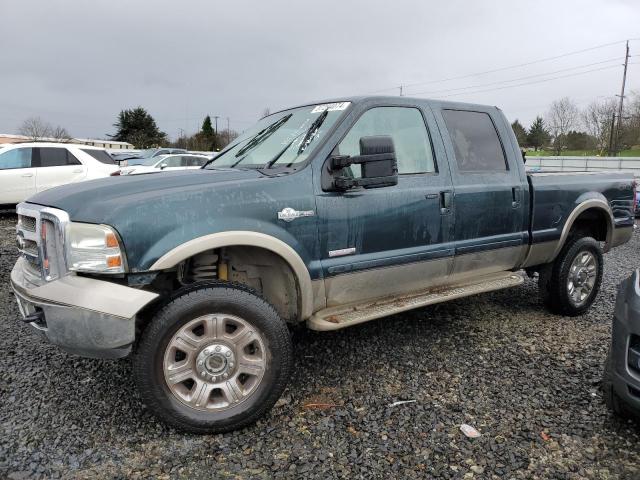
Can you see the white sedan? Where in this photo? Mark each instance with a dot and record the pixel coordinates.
(164, 162)
(29, 168)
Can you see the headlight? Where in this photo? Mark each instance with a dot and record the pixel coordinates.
(93, 248)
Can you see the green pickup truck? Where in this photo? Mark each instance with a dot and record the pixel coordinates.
(332, 214)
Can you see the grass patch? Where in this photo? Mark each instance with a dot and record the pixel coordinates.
(581, 153)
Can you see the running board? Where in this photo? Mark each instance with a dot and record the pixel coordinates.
(335, 318)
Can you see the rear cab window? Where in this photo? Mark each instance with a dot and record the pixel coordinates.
(475, 142)
(100, 155)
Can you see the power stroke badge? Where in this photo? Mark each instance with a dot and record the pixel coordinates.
(289, 214)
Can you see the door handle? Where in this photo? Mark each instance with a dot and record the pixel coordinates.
(445, 202)
(27, 175)
(77, 170)
(516, 193)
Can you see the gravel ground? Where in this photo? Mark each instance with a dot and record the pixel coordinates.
(526, 379)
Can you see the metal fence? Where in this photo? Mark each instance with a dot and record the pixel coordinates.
(584, 164)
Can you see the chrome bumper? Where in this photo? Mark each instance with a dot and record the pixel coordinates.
(84, 316)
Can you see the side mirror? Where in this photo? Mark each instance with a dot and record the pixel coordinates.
(378, 163)
(163, 166)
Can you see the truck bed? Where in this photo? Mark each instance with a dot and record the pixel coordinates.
(554, 196)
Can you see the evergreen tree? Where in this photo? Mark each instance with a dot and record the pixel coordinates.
(520, 132)
(538, 135)
(136, 126)
(207, 128)
(579, 141)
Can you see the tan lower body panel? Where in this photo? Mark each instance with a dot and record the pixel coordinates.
(336, 318)
(377, 283)
(468, 266)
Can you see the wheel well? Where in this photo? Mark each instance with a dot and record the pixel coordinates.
(593, 223)
(258, 268)
(269, 274)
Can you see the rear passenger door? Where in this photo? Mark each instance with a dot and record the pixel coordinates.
(489, 233)
(56, 166)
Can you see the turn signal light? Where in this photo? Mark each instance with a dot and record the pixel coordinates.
(110, 240)
(114, 261)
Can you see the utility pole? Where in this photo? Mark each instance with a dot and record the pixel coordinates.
(228, 132)
(624, 81)
(216, 117)
(611, 130)
(400, 90)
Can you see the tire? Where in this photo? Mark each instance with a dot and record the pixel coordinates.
(214, 359)
(555, 279)
(611, 398)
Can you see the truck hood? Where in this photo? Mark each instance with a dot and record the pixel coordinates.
(156, 212)
(96, 201)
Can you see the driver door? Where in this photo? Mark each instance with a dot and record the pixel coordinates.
(383, 241)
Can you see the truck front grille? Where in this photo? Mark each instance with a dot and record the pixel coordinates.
(27, 223)
(40, 233)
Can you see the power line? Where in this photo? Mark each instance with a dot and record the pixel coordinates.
(532, 83)
(547, 59)
(515, 79)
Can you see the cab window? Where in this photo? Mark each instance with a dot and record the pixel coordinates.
(410, 138)
(475, 141)
(15, 158)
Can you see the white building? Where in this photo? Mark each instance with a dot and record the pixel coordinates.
(110, 144)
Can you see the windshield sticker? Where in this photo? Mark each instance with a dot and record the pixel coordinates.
(330, 107)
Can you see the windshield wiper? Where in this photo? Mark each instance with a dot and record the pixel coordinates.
(262, 135)
(270, 163)
(311, 131)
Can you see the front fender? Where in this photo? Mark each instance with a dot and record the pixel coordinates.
(244, 238)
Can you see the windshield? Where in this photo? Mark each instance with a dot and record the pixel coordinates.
(283, 139)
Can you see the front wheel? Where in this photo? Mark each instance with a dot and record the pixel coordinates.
(570, 285)
(214, 359)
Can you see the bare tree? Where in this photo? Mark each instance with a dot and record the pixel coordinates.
(228, 136)
(38, 129)
(60, 134)
(266, 112)
(35, 128)
(597, 118)
(631, 131)
(563, 116)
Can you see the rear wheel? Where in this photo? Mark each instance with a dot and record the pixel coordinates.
(571, 283)
(214, 359)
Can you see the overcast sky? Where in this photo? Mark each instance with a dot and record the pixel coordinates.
(78, 63)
